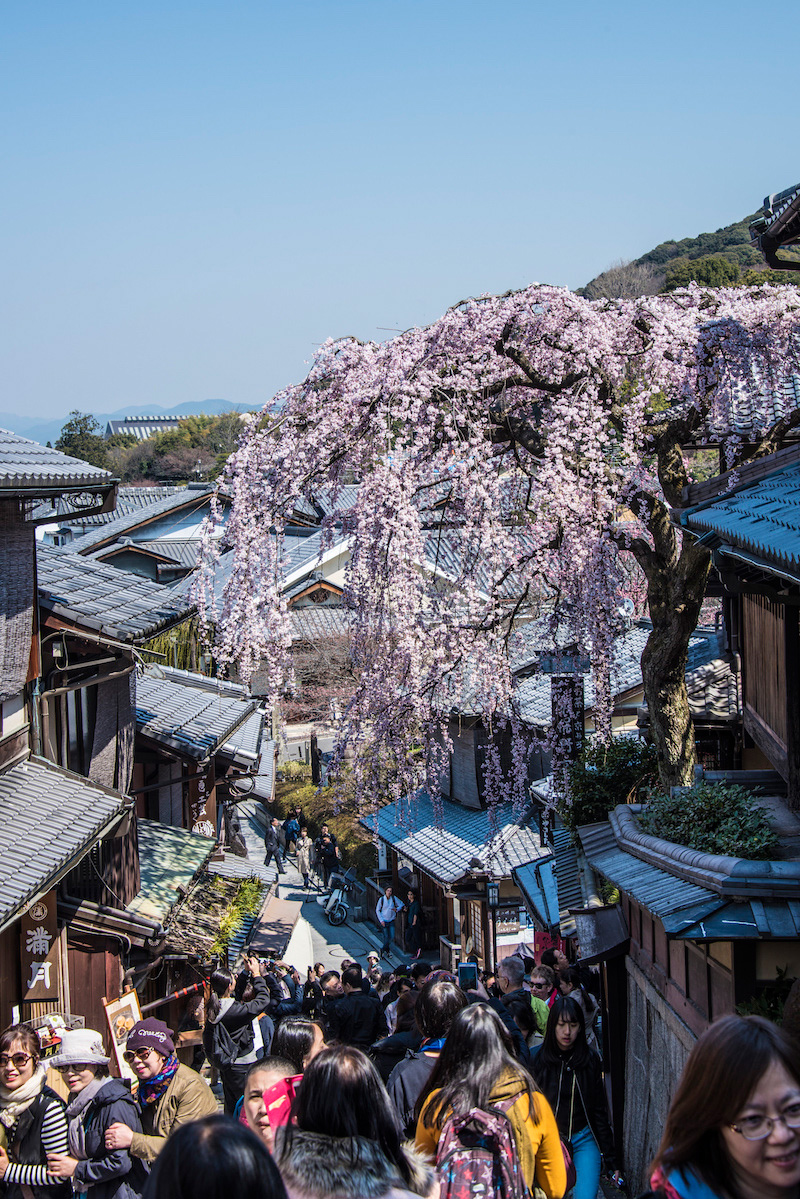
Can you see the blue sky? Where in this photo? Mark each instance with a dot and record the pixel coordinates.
(197, 194)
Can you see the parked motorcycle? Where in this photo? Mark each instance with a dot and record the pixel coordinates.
(334, 901)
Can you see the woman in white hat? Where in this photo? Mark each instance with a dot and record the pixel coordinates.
(96, 1102)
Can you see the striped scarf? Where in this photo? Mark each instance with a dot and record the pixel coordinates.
(151, 1089)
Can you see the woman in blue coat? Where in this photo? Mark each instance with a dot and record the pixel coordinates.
(96, 1102)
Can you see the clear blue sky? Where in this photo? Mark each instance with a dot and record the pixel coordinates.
(197, 193)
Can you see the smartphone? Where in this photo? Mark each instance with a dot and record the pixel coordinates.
(468, 976)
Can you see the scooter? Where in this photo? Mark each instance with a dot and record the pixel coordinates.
(335, 901)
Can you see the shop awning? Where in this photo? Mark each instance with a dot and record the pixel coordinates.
(537, 885)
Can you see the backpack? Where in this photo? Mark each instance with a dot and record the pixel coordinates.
(222, 1049)
(477, 1156)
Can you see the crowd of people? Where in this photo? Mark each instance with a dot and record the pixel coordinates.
(365, 1084)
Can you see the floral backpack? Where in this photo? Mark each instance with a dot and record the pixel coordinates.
(477, 1156)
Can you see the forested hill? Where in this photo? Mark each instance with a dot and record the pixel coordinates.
(721, 259)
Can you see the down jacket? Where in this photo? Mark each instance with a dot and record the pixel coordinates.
(110, 1174)
(316, 1166)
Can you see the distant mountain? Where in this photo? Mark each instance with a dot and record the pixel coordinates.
(43, 429)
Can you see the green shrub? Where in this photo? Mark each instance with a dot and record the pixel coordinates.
(608, 773)
(712, 817)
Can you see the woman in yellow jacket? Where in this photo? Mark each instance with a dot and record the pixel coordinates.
(477, 1069)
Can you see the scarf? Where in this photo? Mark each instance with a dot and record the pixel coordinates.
(151, 1089)
(76, 1114)
(432, 1046)
(14, 1103)
(681, 1184)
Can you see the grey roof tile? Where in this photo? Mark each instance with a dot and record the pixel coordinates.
(762, 520)
(187, 553)
(316, 623)
(25, 464)
(116, 529)
(191, 720)
(49, 817)
(444, 849)
(98, 596)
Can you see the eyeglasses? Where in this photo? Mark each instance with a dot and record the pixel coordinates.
(758, 1128)
(18, 1060)
(540, 986)
(133, 1055)
(72, 1067)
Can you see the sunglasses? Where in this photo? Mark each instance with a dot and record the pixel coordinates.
(18, 1060)
(73, 1067)
(134, 1055)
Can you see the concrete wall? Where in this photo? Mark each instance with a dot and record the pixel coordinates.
(657, 1047)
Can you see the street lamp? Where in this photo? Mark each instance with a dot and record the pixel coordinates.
(493, 902)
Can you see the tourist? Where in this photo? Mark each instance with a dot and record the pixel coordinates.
(434, 1012)
(413, 936)
(525, 1020)
(272, 845)
(291, 831)
(304, 847)
(404, 985)
(215, 1158)
(263, 1079)
(33, 1120)
(355, 1018)
(569, 983)
(733, 1127)
(169, 1094)
(404, 1038)
(298, 1040)
(345, 1140)
(387, 909)
(571, 1076)
(96, 1102)
(543, 985)
(238, 1030)
(476, 1069)
(327, 857)
(555, 960)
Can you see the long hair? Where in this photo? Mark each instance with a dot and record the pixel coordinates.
(478, 1052)
(342, 1095)
(293, 1040)
(215, 1157)
(723, 1069)
(219, 982)
(566, 1008)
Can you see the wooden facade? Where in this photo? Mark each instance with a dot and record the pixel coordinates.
(770, 643)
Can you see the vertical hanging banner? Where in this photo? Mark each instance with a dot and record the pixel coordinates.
(38, 945)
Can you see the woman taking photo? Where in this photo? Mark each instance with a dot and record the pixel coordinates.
(733, 1128)
(96, 1102)
(476, 1069)
(32, 1119)
(345, 1138)
(238, 1031)
(571, 1076)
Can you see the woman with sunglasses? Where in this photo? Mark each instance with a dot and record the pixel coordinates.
(33, 1121)
(733, 1128)
(169, 1094)
(96, 1102)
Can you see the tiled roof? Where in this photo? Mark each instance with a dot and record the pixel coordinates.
(537, 883)
(26, 465)
(247, 741)
(264, 780)
(316, 623)
(534, 693)
(204, 682)
(142, 427)
(98, 596)
(190, 720)
(761, 521)
(187, 497)
(444, 850)
(168, 858)
(186, 553)
(50, 817)
(129, 500)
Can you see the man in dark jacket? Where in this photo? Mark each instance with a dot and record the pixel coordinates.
(356, 1019)
(435, 1010)
(272, 845)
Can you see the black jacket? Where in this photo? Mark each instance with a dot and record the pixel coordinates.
(556, 1078)
(520, 1047)
(271, 842)
(235, 1025)
(357, 1019)
(111, 1175)
(28, 1148)
(387, 1053)
(406, 1083)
